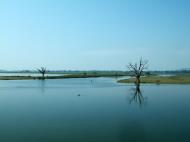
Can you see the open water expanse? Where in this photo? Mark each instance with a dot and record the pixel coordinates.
(93, 110)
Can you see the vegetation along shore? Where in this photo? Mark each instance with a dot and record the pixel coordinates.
(78, 75)
(155, 79)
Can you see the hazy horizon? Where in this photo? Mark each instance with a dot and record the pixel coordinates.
(94, 35)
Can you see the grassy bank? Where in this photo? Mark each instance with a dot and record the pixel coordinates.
(179, 79)
(59, 77)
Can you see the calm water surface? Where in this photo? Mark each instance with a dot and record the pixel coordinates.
(93, 110)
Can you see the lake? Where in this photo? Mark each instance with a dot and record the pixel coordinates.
(93, 110)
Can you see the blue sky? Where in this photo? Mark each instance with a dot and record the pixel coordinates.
(94, 34)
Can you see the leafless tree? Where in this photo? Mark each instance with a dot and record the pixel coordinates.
(137, 69)
(43, 71)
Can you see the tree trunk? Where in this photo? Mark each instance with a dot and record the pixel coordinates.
(138, 81)
(43, 76)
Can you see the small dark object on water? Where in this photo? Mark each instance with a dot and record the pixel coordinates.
(78, 95)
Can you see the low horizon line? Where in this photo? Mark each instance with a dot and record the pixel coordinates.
(32, 70)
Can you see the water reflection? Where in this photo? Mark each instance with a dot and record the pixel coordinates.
(136, 96)
(42, 85)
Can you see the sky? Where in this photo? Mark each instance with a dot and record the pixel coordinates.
(94, 34)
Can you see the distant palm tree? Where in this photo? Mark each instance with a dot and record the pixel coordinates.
(43, 71)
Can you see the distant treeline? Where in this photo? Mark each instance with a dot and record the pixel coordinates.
(96, 72)
(171, 72)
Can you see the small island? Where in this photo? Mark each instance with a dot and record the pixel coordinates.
(156, 79)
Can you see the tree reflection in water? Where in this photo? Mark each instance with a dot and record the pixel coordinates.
(136, 96)
(42, 85)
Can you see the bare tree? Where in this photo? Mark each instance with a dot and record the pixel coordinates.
(43, 71)
(137, 70)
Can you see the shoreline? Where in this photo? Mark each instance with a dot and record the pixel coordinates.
(54, 77)
(178, 79)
